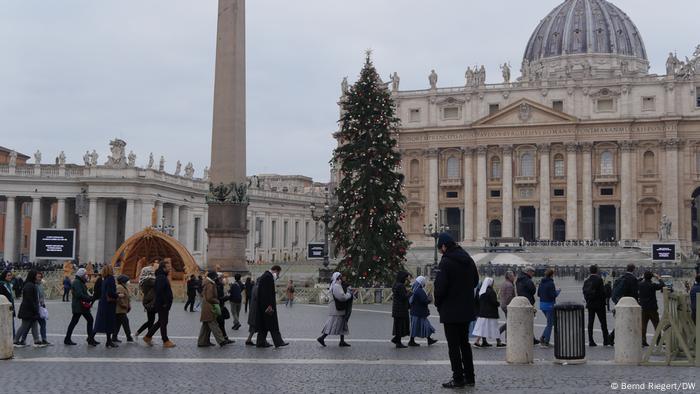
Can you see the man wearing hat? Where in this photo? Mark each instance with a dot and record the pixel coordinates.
(454, 298)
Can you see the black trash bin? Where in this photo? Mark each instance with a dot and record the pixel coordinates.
(569, 333)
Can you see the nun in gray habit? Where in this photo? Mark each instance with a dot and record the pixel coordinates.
(337, 323)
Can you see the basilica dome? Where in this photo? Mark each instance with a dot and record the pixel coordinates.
(579, 27)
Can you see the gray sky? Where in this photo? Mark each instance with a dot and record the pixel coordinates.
(76, 73)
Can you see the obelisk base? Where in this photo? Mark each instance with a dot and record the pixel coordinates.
(227, 238)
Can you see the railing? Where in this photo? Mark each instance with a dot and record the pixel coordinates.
(675, 337)
(74, 172)
(451, 182)
(49, 171)
(24, 171)
(606, 179)
(4, 169)
(525, 180)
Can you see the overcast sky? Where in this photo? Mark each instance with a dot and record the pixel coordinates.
(76, 73)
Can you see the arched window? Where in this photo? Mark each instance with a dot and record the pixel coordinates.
(496, 170)
(559, 165)
(527, 164)
(416, 224)
(606, 163)
(414, 170)
(649, 162)
(649, 220)
(453, 168)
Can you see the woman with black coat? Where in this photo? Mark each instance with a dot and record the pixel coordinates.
(6, 290)
(29, 312)
(223, 298)
(400, 308)
(163, 303)
(106, 319)
(486, 325)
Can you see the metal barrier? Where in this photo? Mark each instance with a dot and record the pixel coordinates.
(675, 338)
(569, 334)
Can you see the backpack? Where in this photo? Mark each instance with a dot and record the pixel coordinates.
(235, 293)
(588, 292)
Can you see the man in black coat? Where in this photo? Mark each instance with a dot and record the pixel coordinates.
(626, 285)
(191, 293)
(524, 286)
(163, 303)
(647, 300)
(594, 294)
(455, 281)
(266, 314)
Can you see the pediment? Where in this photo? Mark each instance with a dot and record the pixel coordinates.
(525, 112)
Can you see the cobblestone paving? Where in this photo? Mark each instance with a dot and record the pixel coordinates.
(371, 365)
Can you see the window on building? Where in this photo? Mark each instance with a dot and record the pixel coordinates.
(296, 233)
(558, 192)
(607, 191)
(273, 236)
(648, 103)
(452, 194)
(559, 165)
(606, 163)
(605, 105)
(450, 113)
(649, 163)
(697, 97)
(285, 233)
(258, 232)
(650, 221)
(306, 232)
(493, 108)
(414, 168)
(496, 170)
(414, 115)
(416, 225)
(197, 236)
(495, 193)
(453, 168)
(558, 105)
(527, 164)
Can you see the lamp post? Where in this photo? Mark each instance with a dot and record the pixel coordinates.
(168, 230)
(434, 230)
(326, 217)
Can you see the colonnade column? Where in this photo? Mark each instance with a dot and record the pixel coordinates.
(175, 222)
(36, 223)
(626, 185)
(481, 193)
(468, 196)
(587, 191)
(670, 194)
(129, 225)
(507, 191)
(433, 181)
(61, 213)
(571, 193)
(545, 194)
(92, 231)
(10, 229)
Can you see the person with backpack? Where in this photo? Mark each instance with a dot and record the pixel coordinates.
(236, 298)
(594, 293)
(626, 285)
(336, 324)
(123, 309)
(647, 300)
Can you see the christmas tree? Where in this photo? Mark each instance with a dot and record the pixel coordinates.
(367, 229)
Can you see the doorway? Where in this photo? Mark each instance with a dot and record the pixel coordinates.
(607, 219)
(559, 230)
(527, 223)
(453, 217)
(495, 229)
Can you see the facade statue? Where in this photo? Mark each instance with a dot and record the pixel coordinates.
(86, 158)
(61, 159)
(205, 174)
(344, 88)
(178, 167)
(525, 69)
(469, 77)
(587, 70)
(568, 70)
(433, 79)
(13, 159)
(37, 158)
(505, 68)
(93, 158)
(132, 159)
(665, 229)
(395, 80)
(672, 64)
(482, 75)
(118, 157)
(189, 170)
(150, 161)
(161, 165)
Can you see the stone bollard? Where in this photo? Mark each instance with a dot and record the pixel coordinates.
(6, 348)
(520, 331)
(628, 332)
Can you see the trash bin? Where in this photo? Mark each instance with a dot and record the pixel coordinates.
(378, 296)
(569, 333)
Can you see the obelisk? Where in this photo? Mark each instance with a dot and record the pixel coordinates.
(227, 218)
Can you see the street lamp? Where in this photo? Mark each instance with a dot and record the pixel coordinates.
(326, 218)
(434, 230)
(168, 230)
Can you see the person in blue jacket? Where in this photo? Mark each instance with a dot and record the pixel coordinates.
(420, 325)
(548, 297)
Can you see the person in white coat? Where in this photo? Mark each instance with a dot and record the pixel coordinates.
(337, 322)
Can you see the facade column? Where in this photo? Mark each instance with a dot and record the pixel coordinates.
(61, 213)
(10, 229)
(545, 194)
(92, 231)
(626, 194)
(587, 191)
(36, 224)
(175, 221)
(481, 194)
(129, 224)
(159, 213)
(146, 214)
(507, 228)
(433, 181)
(571, 193)
(670, 195)
(468, 196)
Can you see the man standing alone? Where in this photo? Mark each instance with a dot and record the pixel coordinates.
(647, 300)
(236, 297)
(266, 314)
(594, 294)
(454, 294)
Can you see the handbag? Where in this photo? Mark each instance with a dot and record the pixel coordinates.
(225, 314)
(86, 304)
(216, 309)
(43, 313)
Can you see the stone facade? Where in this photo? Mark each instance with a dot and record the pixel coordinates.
(584, 145)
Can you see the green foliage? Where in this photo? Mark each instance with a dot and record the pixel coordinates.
(367, 231)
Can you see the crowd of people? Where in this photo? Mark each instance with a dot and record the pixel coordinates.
(468, 307)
